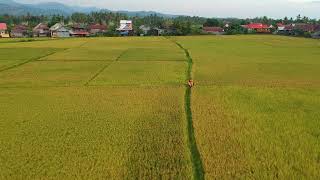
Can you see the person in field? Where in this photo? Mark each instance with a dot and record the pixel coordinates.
(190, 83)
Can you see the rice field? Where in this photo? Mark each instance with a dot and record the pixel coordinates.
(118, 108)
(256, 106)
(93, 132)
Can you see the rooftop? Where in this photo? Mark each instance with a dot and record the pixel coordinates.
(3, 26)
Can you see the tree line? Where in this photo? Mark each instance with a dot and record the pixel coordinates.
(182, 25)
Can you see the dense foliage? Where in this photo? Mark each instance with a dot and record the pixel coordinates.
(182, 25)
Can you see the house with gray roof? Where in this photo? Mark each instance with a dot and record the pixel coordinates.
(59, 31)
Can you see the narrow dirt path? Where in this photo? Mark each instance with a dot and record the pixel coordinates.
(198, 171)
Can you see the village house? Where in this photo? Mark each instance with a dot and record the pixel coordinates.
(304, 27)
(213, 30)
(59, 31)
(126, 28)
(316, 33)
(280, 27)
(3, 31)
(19, 31)
(157, 31)
(288, 29)
(147, 30)
(258, 27)
(41, 30)
(284, 29)
(298, 29)
(79, 30)
(96, 29)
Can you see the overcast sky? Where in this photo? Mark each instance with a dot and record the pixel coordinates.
(207, 8)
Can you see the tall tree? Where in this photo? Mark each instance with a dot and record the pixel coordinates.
(212, 23)
(79, 17)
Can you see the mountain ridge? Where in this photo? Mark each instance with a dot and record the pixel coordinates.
(12, 7)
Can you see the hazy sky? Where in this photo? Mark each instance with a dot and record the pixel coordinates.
(208, 8)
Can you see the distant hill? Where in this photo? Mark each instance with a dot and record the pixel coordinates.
(50, 8)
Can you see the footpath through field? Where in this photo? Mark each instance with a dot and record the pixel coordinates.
(198, 171)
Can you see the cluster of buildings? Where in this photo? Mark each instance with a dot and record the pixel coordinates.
(288, 29)
(252, 27)
(59, 30)
(294, 29)
(126, 29)
(259, 27)
(213, 30)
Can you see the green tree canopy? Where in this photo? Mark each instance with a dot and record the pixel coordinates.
(212, 23)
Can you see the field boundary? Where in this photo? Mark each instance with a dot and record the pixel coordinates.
(93, 85)
(121, 54)
(39, 58)
(60, 60)
(198, 171)
(29, 60)
(104, 68)
(97, 74)
(153, 61)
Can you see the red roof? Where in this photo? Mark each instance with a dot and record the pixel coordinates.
(98, 26)
(79, 26)
(20, 27)
(41, 26)
(280, 25)
(3, 26)
(305, 27)
(288, 27)
(80, 33)
(257, 26)
(213, 29)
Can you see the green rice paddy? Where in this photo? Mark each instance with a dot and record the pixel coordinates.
(119, 108)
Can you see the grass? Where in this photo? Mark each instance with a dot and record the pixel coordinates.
(255, 106)
(198, 171)
(118, 108)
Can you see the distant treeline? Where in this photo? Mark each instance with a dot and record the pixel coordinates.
(182, 25)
